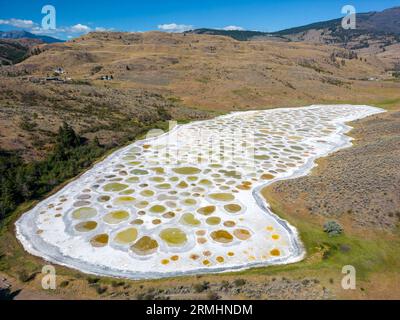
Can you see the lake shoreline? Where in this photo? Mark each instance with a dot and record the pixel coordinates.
(25, 225)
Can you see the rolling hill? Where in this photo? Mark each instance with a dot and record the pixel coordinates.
(14, 51)
(376, 33)
(240, 35)
(378, 23)
(16, 46)
(203, 72)
(384, 22)
(116, 86)
(17, 34)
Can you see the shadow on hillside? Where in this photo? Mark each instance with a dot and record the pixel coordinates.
(6, 294)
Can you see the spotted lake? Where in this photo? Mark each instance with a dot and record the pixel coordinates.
(188, 201)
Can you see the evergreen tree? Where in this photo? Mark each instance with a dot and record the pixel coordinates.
(67, 138)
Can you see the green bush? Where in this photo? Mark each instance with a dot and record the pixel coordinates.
(93, 280)
(213, 296)
(239, 282)
(116, 284)
(200, 287)
(25, 276)
(332, 228)
(27, 125)
(225, 284)
(101, 289)
(145, 296)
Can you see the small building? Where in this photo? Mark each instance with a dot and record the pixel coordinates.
(107, 78)
(54, 79)
(59, 70)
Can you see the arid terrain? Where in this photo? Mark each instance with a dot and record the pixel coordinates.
(199, 69)
(112, 87)
(357, 185)
(31, 113)
(186, 71)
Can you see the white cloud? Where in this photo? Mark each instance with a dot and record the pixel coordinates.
(40, 31)
(66, 32)
(18, 23)
(79, 28)
(173, 27)
(233, 28)
(101, 29)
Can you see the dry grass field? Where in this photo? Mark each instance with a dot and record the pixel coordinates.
(157, 76)
(180, 73)
(216, 72)
(359, 188)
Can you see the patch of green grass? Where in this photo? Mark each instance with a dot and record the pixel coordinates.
(242, 92)
(14, 260)
(239, 282)
(174, 99)
(388, 103)
(204, 80)
(366, 254)
(200, 287)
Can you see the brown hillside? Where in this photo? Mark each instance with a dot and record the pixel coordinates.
(215, 72)
(157, 75)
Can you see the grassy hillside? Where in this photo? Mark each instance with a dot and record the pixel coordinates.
(156, 77)
(15, 51)
(185, 76)
(24, 35)
(200, 69)
(240, 35)
(376, 33)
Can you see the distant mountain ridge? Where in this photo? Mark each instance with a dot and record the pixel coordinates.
(377, 23)
(17, 45)
(241, 35)
(387, 21)
(20, 34)
(376, 33)
(14, 51)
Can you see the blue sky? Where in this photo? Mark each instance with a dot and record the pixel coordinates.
(77, 17)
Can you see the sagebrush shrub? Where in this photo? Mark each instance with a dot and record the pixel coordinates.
(332, 228)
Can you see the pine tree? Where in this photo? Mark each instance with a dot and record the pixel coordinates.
(67, 138)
